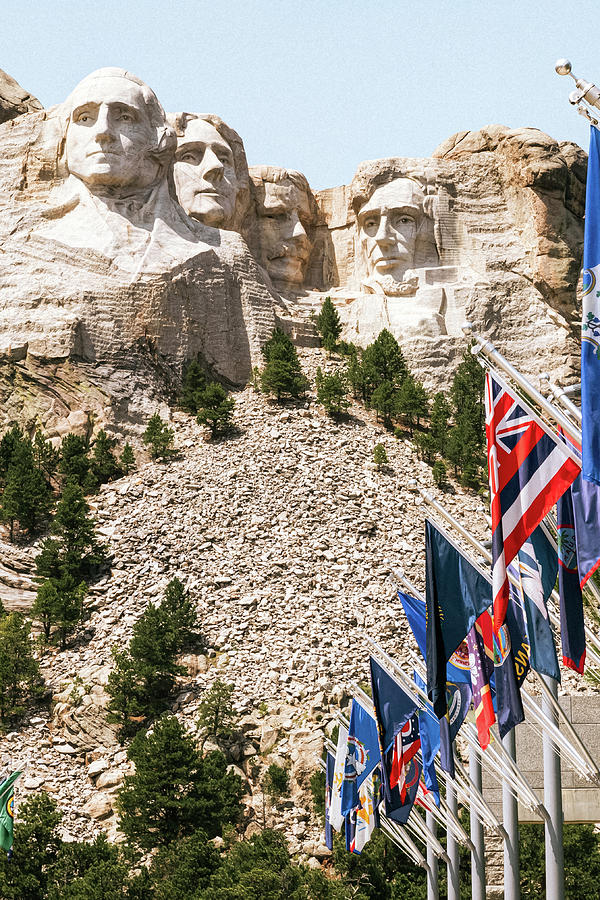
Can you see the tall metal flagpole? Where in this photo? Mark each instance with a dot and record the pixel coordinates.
(510, 816)
(553, 826)
(478, 851)
(432, 862)
(452, 845)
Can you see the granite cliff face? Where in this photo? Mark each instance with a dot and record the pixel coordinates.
(14, 101)
(108, 287)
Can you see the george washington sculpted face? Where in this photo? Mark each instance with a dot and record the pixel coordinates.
(111, 134)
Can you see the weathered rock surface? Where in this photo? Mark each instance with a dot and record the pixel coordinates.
(14, 101)
(285, 536)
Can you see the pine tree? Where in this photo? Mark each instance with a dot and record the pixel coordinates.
(215, 409)
(104, 463)
(356, 377)
(380, 456)
(216, 714)
(440, 415)
(383, 360)
(412, 402)
(11, 439)
(332, 393)
(27, 497)
(328, 324)
(426, 446)
(159, 436)
(127, 460)
(194, 383)
(19, 671)
(467, 438)
(384, 400)
(28, 873)
(282, 373)
(75, 463)
(74, 550)
(174, 790)
(59, 603)
(142, 681)
(46, 457)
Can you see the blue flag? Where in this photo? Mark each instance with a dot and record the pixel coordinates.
(362, 755)
(457, 669)
(535, 569)
(429, 729)
(456, 595)
(590, 328)
(572, 624)
(585, 497)
(328, 785)
(393, 706)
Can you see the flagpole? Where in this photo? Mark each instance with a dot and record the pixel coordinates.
(510, 816)
(432, 860)
(553, 826)
(452, 845)
(477, 838)
(490, 353)
(581, 748)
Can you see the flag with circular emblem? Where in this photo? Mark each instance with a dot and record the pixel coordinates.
(7, 814)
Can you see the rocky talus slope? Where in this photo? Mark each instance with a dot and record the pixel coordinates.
(285, 535)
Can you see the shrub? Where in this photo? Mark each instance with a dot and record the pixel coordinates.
(159, 437)
(19, 671)
(439, 474)
(276, 782)
(282, 373)
(127, 460)
(217, 717)
(215, 409)
(194, 383)
(380, 457)
(332, 393)
(328, 324)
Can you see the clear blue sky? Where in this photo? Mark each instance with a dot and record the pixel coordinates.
(320, 86)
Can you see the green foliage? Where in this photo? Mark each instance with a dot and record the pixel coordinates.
(142, 681)
(175, 790)
(104, 463)
(217, 717)
(412, 402)
(45, 455)
(74, 550)
(426, 446)
(181, 869)
(332, 393)
(380, 456)
(215, 409)
(276, 782)
(194, 383)
(328, 324)
(88, 871)
(440, 415)
(383, 360)
(260, 869)
(75, 464)
(26, 498)
(36, 848)
(282, 374)
(439, 474)
(467, 439)
(380, 872)
(582, 862)
(19, 671)
(159, 437)
(11, 440)
(127, 460)
(59, 603)
(384, 400)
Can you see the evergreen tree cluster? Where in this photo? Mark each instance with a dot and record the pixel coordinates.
(282, 374)
(142, 682)
(207, 400)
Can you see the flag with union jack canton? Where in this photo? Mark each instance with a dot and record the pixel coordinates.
(529, 469)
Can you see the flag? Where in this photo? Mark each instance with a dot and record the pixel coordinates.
(456, 595)
(585, 497)
(407, 744)
(429, 729)
(336, 818)
(362, 755)
(399, 810)
(367, 818)
(535, 569)
(590, 327)
(481, 669)
(350, 830)
(458, 701)
(7, 811)
(328, 785)
(457, 668)
(529, 469)
(572, 624)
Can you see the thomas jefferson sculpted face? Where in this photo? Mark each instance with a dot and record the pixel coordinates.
(388, 226)
(204, 174)
(111, 140)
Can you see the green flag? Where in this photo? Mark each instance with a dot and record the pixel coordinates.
(7, 797)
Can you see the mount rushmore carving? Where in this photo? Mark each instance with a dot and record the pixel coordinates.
(134, 241)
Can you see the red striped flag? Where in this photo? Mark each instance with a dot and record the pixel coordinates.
(529, 469)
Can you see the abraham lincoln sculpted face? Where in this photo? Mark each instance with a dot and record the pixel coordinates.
(115, 124)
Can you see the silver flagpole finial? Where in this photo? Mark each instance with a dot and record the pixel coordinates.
(587, 93)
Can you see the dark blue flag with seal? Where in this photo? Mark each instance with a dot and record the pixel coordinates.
(362, 755)
(572, 624)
